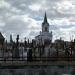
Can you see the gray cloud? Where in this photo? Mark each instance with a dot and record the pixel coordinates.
(12, 12)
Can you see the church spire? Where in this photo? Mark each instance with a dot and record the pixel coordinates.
(45, 18)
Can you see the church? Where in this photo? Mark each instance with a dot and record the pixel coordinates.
(45, 37)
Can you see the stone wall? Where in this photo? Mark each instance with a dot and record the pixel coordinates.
(48, 70)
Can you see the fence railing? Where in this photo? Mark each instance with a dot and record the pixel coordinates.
(55, 58)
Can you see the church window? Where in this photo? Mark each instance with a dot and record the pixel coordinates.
(45, 28)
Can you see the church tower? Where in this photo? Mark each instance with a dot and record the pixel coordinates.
(45, 36)
(45, 24)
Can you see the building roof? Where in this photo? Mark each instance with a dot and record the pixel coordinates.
(1, 36)
(37, 36)
(45, 18)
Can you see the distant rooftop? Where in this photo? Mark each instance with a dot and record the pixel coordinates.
(1, 36)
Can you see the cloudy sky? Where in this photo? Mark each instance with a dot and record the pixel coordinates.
(24, 17)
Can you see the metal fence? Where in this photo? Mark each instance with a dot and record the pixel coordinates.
(37, 59)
